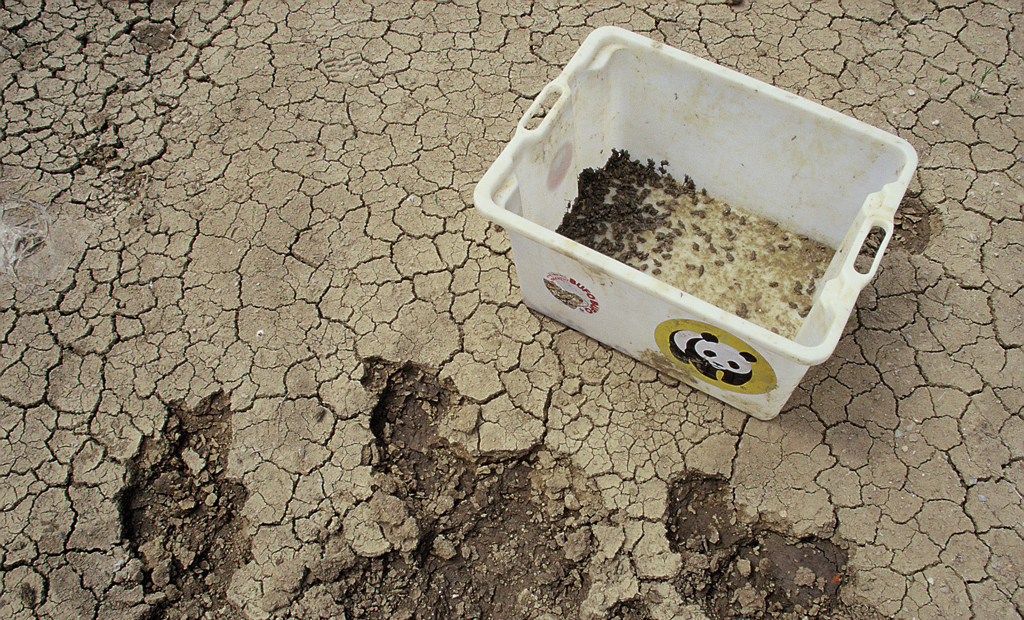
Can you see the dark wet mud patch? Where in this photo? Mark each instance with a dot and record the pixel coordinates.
(492, 558)
(488, 546)
(735, 569)
(913, 227)
(152, 37)
(102, 156)
(181, 514)
(915, 224)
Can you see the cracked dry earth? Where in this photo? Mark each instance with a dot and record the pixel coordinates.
(271, 364)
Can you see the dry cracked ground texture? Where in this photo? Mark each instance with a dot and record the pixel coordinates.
(274, 365)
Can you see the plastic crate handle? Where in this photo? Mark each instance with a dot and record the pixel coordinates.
(559, 86)
(850, 274)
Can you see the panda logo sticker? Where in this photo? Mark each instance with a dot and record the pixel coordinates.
(571, 293)
(715, 356)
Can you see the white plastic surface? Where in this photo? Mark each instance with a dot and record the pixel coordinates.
(810, 169)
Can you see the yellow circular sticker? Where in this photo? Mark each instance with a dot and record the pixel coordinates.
(715, 356)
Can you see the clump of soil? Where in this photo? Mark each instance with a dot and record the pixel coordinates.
(740, 262)
(488, 547)
(735, 569)
(181, 514)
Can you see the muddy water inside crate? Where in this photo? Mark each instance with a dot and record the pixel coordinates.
(737, 261)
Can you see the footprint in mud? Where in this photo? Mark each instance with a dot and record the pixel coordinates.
(488, 546)
(181, 514)
(491, 547)
(736, 569)
(341, 67)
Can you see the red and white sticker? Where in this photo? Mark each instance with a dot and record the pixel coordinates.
(571, 293)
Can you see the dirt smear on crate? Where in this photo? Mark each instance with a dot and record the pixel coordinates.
(487, 545)
(734, 568)
(181, 514)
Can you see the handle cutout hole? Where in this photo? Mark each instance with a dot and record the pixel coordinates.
(540, 109)
(868, 250)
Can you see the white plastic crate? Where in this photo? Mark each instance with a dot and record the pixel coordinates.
(811, 170)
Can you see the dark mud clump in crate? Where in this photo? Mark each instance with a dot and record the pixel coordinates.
(640, 215)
